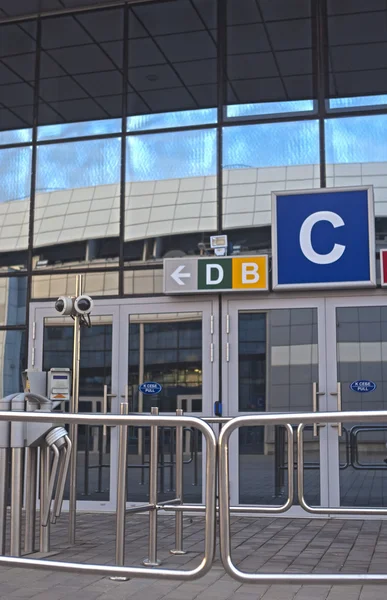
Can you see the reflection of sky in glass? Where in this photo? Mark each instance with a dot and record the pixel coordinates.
(68, 130)
(171, 155)
(356, 139)
(271, 144)
(15, 136)
(15, 171)
(182, 118)
(269, 108)
(190, 153)
(358, 101)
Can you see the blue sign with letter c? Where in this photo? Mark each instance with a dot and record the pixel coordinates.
(150, 387)
(323, 238)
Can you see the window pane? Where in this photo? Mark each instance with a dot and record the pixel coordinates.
(17, 77)
(357, 155)
(15, 171)
(13, 351)
(259, 159)
(269, 56)
(81, 73)
(77, 192)
(357, 37)
(171, 184)
(95, 284)
(172, 63)
(13, 297)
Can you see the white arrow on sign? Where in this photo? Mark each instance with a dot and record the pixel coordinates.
(177, 275)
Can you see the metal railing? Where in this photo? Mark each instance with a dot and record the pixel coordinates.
(212, 484)
(154, 421)
(225, 509)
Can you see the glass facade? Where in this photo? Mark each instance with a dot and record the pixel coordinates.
(132, 133)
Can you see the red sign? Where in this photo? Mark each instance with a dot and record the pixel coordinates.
(383, 268)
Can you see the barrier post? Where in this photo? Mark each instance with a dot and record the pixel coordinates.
(152, 560)
(179, 487)
(44, 499)
(121, 492)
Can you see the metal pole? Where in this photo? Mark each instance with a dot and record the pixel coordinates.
(152, 560)
(31, 488)
(4, 453)
(5, 431)
(16, 500)
(141, 367)
(121, 492)
(44, 483)
(74, 407)
(179, 487)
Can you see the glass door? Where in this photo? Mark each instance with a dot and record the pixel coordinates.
(275, 362)
(357, 380)
(172, 346)
(51, 345)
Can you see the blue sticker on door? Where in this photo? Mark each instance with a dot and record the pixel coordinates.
(323, 239)
(150, 387)
(363, 386)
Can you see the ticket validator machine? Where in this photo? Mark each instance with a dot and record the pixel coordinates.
(28, 448)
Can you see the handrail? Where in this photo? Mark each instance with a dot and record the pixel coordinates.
(124, 421)
(224, 498)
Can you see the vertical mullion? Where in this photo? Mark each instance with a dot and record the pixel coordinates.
(319, 21)
(123, 150)
(35, 121)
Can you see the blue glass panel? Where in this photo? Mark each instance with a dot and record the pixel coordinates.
(68, 130)
(271, 144)
(15, 170)
(78, 164)
(180, 118)
(171, 155)
(356, 139)
(13, 298)
(358, 101)
(13, 363)
(269, 108)
(15, 136)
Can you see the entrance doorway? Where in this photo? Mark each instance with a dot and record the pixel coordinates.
(282, 354)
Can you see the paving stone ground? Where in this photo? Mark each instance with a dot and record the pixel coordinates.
(259, 544)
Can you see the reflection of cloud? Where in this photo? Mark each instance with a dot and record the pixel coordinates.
(190, 153)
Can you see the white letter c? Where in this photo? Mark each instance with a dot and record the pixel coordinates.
(306, 238)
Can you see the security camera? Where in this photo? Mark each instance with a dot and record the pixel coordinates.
(83, 305)
(64, 305)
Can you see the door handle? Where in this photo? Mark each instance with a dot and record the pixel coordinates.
(339, 407)
(315, 395)
(105, 405)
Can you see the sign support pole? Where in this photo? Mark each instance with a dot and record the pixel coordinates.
(74, 408)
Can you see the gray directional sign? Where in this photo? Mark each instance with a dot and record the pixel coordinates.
(180, 275)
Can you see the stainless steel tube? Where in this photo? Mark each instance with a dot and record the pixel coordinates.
(51, 485)
(122, 478)
(152, 561)
(4, 453)
(179, 487)
(31, 457)
(58, 502)
(44, 483)
(16, 499)
(74, 407)
(122, 488)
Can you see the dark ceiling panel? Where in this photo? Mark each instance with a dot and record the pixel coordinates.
(197, 72)
(9, 120)
(82, 110)
(168, 17)
(6, 75)
(160, 100)
(275, 10)
(18, 94)
(23, 65)
(286, 35)
(17, 39)
(98, 84)
(60, 88)
(295, 62)
(187, 46)
(61, 32)
(82, 59)
(357, 29)
(251, 66)
(262, 90)
(154, 77)
(299, 86)
(104, 25)
(144, 52)
(357, 58)
(243, 12)
(354, 6)
(205, 95)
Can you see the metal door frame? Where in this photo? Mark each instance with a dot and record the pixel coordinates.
(332, 378)
(208, 306)
(231, 307)
(38, 312)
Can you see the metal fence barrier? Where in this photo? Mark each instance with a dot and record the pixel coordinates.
(224, 497)
(154, 421)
